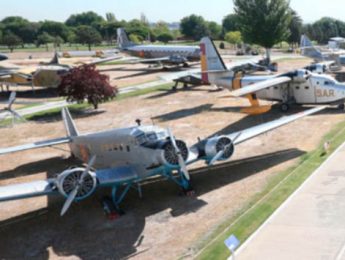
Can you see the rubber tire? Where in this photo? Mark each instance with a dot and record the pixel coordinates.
(341, 106)
(284, 107)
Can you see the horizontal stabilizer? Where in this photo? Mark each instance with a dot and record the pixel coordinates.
(260, 129)
(27, 190)
(40, 144)
(259, 86)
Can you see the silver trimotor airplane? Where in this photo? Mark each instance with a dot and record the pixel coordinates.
(158, 54)
(125, 157)
(296, 87)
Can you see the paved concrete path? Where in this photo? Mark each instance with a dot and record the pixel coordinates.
(310, 224)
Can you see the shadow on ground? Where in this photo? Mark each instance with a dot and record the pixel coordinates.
(84, 231)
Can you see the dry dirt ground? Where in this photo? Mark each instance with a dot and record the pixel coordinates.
(163, 224)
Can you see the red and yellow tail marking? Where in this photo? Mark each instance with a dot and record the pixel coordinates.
(255, 107)
(203, 60)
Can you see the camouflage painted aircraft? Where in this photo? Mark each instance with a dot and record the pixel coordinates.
(43, 75)
(122, 158)
(296, 87)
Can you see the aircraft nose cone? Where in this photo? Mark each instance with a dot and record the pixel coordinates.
(3, 57)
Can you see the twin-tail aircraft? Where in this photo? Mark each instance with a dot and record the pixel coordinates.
(123, 158)
(296, 87)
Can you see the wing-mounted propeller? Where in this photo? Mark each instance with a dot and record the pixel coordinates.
(181, 157)
(76, 184)
(10, 110)
(220, 148)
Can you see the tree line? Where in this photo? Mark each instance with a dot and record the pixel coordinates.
(273, 22)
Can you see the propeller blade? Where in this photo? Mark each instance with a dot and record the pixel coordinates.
(172, 138)
(236, 137)
(183, 167)
(74, 193)
(181, 161)
(217, 156)
(69, 200)
(87, 169)
(11, 99)
(15, 114)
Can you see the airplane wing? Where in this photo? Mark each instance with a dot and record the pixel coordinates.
(263, 128)
(40, 144)
(172, 76)
(97, 61)
(259, 86)
(27, 190)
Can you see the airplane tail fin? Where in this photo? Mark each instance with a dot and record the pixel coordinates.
(308, 49)
(210, 58)
(69, 123)
(55, 59)
(122, 39)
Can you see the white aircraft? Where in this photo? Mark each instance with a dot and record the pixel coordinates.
(157, 54)
(335, 58)
(296, 87)
(122, 158)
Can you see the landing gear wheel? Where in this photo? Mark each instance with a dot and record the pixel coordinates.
(185, 65)
(341, 106)
(284, 107)
(110, 210)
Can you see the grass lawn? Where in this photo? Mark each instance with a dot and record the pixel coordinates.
(77, 108)
(263, 204)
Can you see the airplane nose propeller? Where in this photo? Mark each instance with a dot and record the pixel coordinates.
(79, 184)
(221, 152)
(181, 161)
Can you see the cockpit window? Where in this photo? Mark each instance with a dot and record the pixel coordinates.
(148, 137)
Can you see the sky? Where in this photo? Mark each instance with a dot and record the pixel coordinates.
(155, 10)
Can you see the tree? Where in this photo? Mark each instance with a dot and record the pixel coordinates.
(215, 30)
(194, 27)
(325, 28)
(165, 37)
(233, 37)
(110, 17)
(263, 22)
(88, 35)
(44, 38)
(86, 18)
(230, 23)
(138, 28)
(55, 29)
(86, 83)
(21, 27)
(11, 40)
(295, 28)
(135, 38)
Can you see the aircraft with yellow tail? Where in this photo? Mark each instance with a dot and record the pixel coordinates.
(296, 87)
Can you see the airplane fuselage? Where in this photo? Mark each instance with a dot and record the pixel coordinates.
(140, 147)
(315, 89)
(190, 53)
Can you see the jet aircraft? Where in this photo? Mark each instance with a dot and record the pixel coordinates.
(157, 54)
(122, 158)
(296, 87)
